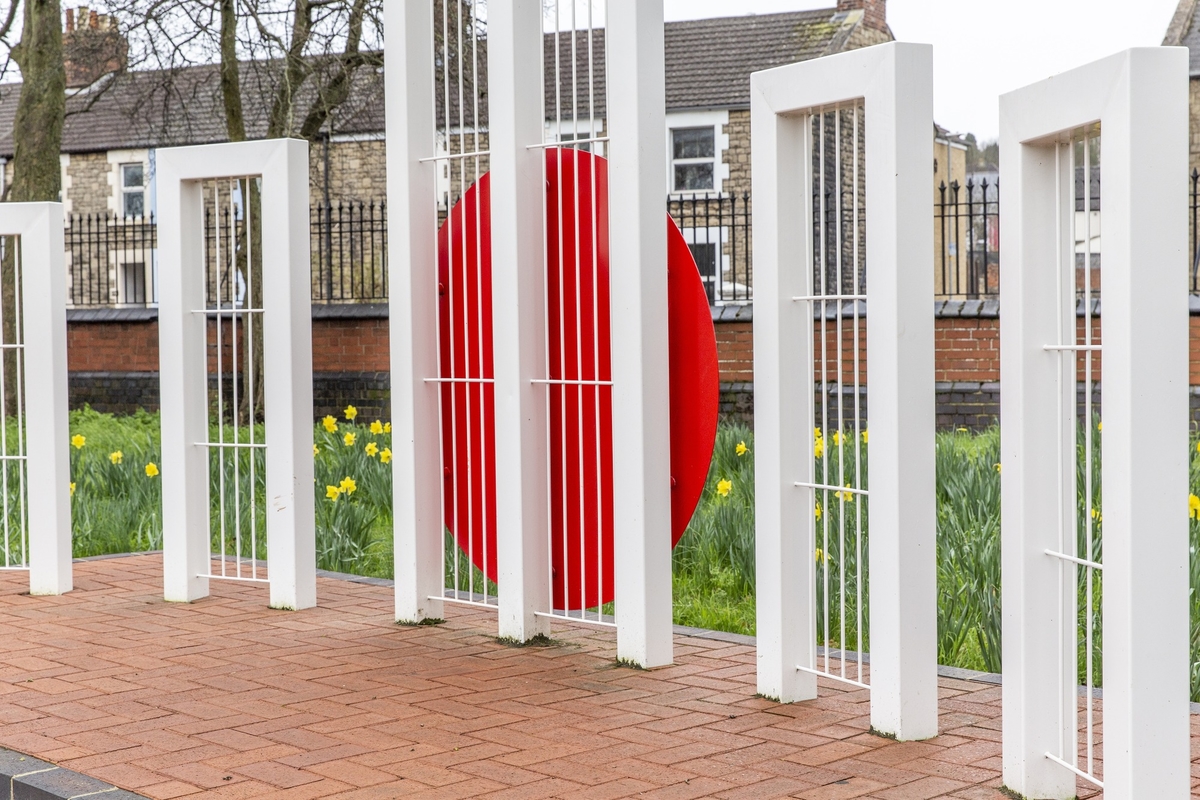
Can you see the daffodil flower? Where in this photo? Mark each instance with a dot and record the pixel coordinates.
(376, 428)
(116, 457)
(847, 497)
(864, 437)
(330, 424)
(316, 451)
(371, 449)
(351, 412)
(998, 467)
(818, 510)
(742, 449)
(818, 447)
(349, 439)
(837, 438)
(333, 493)
(385, 456)
(387, 427)
(1194, 506)
(78, 441)
(348, 486)
(72, 488)
(724, 487)
(151, 470)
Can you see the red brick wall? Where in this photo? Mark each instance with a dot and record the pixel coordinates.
(966, 350)
(350, 345)
(112, 347)
(735, 351)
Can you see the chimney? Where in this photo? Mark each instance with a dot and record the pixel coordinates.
(874, 11)
(92, 47)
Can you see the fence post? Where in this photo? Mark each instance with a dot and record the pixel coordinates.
(1140, 97)
(412, 321)
(640, 368)
(518, 315)
(40, 279)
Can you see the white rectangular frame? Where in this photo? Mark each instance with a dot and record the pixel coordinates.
(895, 83)
(287, 371)
(1140, 99)
(39, 227)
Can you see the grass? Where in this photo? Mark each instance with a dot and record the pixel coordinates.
(117, 508)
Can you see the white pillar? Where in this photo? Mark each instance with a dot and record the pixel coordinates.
(1140, 99)
(515, 100)
(641, 365)
(895, 84)
(43, 319)
(412, 317)
(287, 372)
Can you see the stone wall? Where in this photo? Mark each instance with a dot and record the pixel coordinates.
(86, 184)
(357, 170)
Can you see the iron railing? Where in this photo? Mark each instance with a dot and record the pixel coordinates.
(717, 228)
(967, 240)
(111, 261)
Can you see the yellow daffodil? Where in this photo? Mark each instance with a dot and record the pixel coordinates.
(78, 441)
(837, 438)
(385, 456)
(330, 424)
(961, 430)
(349, 439)
(997, 466)
(819, 554)
(724, 487)
(371, 449)
(864, 437)
(818, 510)
(116, 457)
(316, 451)
(845, 496)
(816, 433)
(818, 447)
(151, 470)
(1096, 516)
(73, 488)
(376, 428)
(742, 449)
(1194, 506)
(348, 486)
(333, 492)
(387, 427)
(351, 412)
(1198, 447)
(1099, 426)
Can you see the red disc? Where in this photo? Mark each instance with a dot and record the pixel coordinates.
(579, 369)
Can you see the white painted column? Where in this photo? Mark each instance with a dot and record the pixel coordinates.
(288, 390)
(640, 371)
(43, 318)
(900, 394)
(783, 403)
(183, 383)
(412, 318)
(515, 100)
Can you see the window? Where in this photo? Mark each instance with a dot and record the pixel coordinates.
(133, 191)
(693, 159)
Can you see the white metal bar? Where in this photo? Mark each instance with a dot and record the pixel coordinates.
(829, 487)
(233, 445)
(572, 143)
(1083, 562)
(475, 154)
(1073, 348)
(1092, 779)
(221, 311)
(459, 380)
(556, 382)
(834, 676)
(828, 298)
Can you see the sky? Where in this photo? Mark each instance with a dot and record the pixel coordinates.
(983, 48)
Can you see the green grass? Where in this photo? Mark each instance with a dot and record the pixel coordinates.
(117, 508)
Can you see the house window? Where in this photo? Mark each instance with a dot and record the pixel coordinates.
(693, 159)
(133, 190)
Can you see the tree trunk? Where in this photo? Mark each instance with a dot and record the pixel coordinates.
(37, 174)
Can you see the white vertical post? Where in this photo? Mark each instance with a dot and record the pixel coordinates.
(1140, 99)
(515, 98)
(287, 371)
(641, 365)
(412, 320)
(895, 83)
(183, 383)
(783, 398)
(42, 293)
(900, 391)
(288, 389)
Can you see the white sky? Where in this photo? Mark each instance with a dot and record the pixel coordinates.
(983, 48)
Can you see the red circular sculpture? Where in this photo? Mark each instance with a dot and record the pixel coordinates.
(579, 392)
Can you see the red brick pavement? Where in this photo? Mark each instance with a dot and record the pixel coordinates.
(227, 699)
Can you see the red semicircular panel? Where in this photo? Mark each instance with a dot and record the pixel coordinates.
(579, 368)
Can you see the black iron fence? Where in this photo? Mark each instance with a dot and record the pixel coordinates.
(967, 239)
(717, 230)
(110, 260)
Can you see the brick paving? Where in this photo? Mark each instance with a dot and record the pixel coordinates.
(225, 698)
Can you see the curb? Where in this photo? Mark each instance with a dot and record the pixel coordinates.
(26, 778)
